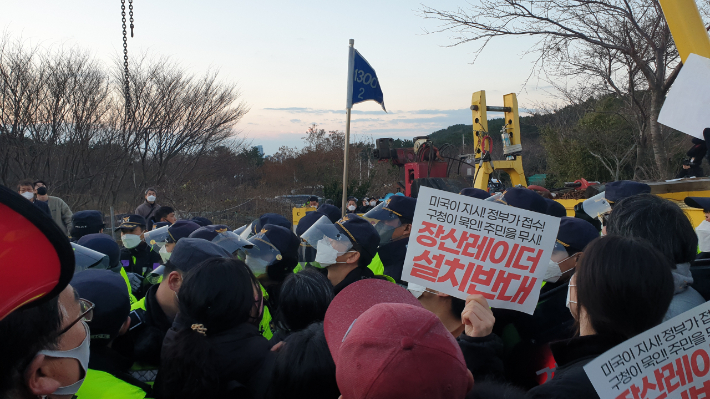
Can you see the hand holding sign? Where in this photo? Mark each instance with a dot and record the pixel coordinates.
(477, 317)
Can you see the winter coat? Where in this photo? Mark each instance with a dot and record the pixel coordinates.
(146, 209)
(684, 296)
(570, 380)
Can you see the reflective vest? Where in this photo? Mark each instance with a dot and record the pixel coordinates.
(102, 385)
(131, 297)
(265, 324)
(377, 267)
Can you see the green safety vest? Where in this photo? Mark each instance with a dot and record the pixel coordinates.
(377, 266)
(131, 297)
(102, 385)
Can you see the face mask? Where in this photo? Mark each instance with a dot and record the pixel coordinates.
(326, 255)
(130, 240)
(568, 300)
(28, 194)
(553, 272)
(373, 203)
(41, 190)
(80, 353)
(164, 254)
(151, 198)
(351, 207)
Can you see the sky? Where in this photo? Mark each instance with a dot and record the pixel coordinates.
(289, 59)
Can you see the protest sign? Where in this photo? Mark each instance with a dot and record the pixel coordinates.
(669, 361)
(461, 245)
(685, 107)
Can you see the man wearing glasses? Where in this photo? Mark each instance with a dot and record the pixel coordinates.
(46, 348)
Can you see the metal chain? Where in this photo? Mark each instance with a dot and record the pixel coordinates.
(130, 12)
(126, 85)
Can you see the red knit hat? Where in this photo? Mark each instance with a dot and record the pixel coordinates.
(393, 349)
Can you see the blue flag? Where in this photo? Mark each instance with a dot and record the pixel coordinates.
(365, 85)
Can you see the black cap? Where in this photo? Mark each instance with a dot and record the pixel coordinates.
(269, 218)
(202, 221)
(554, 208)
(312, 198)
(698, 202)
(130, 222)
(332, 211)
(307, 221)
(181, 229)
(108, 292)
(104, 244)
(401, 206)
(209, 232)
(523, 198)
(160, 224)
(475, 193)
(618, 190)
(360, 232)
(86, 222)
(283, 239)
(190, 252)
(576, 233)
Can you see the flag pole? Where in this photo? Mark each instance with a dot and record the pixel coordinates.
(349, 106)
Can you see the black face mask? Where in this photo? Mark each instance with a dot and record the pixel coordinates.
(42, 190)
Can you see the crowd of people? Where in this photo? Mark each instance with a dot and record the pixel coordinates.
(190, 309)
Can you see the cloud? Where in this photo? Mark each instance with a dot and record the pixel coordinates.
(295, 121)
(299, 110)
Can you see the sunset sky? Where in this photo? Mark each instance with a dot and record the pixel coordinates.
(290, 58)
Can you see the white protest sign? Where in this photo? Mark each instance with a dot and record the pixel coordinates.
(686, 106)
(461, 245)
(669, 361)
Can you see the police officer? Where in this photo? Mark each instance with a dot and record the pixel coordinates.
(107, 375)
(201, 221)
(152, 316)
(272, 256)
(523, 198)
(344, 248)
(136, 256)
(529, 361)
(86, 222)
(177, 231)
(222, 236)
(594, 209)
(268, 218)
(393, 221)
(104, 244)
(332, 211)
(306, 252)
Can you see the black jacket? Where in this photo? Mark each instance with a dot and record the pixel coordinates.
(528, 359)
(144, 340)
(239, 356)
(392, 256)
(570, 380)
(483, 357)
(357, 274)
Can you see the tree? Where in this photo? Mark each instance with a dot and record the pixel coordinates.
(621, 46)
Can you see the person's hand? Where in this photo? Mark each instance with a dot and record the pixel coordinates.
(278, 346)
(477, 317)
(686, 167)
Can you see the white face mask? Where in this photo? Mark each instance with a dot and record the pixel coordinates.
(28, 194)
(81, 354)
(130, 240)
(373, 203)
(326, 255)
(553, 272)
(151, 198)
(164, 254)
(351, 207)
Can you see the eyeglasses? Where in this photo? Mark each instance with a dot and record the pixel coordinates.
(87, 314)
